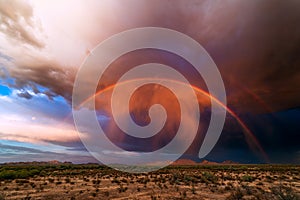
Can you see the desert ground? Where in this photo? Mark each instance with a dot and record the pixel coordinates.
(92, 181)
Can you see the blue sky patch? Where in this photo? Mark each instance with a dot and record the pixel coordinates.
(4, 90)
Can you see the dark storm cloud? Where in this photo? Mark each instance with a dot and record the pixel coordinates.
(265, 59)
(25, 95)
(17, 23)
(277, 133)
(255, 44)
(58, 79)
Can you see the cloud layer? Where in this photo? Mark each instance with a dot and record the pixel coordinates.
(17, 23)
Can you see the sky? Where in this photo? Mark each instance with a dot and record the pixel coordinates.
(255, 44)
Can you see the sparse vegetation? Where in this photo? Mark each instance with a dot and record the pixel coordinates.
(2, 197)
(231, 182)
(236, 194)
(284, 193)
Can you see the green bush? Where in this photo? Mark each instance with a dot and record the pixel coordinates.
(18, 174)
(23, 174)
(247, 178)
(7, 175)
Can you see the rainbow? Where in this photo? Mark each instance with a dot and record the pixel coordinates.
(250, 137)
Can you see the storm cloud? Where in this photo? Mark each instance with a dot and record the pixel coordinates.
(255, 44)
(59, 80)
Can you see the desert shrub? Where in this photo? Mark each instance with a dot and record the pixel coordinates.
(51, 180)
(86, 179)
(106, 193)
(23, 174)
(189, 179)
(237, 194)
(122, 189)
(32, 184)
(2, 196)
(247, 178)
(34, 172)
(209, 177)
(123, 180)
(284, 193)
(7, 175)
(96, 182)
(153, 197)
(58, 182)
(22, 181)
(193, 189)
(248, 190)
(259, 183)
(115, 180)
(10, 174)
(228, 177)
(268, 177)
(27, 197)
(67, 180)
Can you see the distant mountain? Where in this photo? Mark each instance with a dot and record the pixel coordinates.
(203, 162)
(51, 162)
(229, 162)
(180, 162)
(184, 162)
(206, 162)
